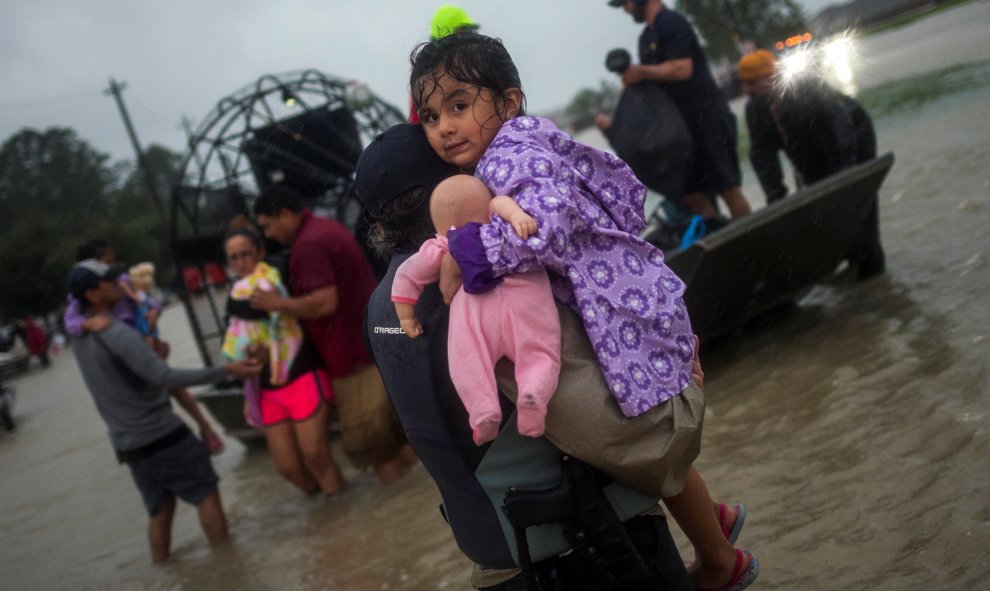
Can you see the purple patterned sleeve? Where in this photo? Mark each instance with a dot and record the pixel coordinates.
(73, 317)
(469, 252)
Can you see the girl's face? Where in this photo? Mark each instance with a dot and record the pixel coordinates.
(242, 255)
(461, 120)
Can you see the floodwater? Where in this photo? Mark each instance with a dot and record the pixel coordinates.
(855, 426)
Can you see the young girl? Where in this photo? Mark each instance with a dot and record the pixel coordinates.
(294, 390)
(589, 209)
(516, 320)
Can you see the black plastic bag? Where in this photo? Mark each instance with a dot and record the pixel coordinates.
(649, 133)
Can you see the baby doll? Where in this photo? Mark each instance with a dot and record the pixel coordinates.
(146, 309)
(517, 319)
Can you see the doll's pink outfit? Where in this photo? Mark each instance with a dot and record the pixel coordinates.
(517, 320)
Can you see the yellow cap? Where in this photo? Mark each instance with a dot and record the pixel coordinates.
(450, 19)
(756, 65)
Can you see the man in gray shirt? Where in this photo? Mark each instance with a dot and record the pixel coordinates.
(130, 385)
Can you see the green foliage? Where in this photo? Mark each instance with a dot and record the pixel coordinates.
(589, 102)
(35, 258)
(722, 23)
(915, 91)
(56, 192)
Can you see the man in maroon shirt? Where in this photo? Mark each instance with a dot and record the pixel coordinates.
(330, 283)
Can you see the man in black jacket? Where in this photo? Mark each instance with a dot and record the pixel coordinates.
(821, 130)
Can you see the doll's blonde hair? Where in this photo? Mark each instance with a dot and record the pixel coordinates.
(142, 276)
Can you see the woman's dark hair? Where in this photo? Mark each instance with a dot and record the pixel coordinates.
(466, 57)
(242, 226)
(403, 224)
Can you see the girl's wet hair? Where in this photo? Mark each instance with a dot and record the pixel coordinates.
(466, 57)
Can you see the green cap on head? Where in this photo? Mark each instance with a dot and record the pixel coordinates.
(450, 19)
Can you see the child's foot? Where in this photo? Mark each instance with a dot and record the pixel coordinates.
(731, 520)
(744, 573)
(333, 482)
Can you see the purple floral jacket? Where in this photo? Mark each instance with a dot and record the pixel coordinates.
(589, 210)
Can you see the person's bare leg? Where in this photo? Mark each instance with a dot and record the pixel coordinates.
(700, 204)
(692, 510)
(212, 518)
(288, 458)
(313, 436)
(390, 471)
(160, 531)
(737, 203)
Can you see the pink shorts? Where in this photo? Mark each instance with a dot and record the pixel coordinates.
(297, 400)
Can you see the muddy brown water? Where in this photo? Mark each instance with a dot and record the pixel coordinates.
(854, 425)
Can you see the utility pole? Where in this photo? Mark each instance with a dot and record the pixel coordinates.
(115, 90)
(159, 203)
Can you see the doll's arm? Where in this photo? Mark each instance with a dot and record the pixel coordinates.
(407, 319)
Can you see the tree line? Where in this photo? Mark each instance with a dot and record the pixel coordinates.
(56, 192)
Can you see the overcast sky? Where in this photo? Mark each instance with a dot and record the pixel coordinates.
(179, 58)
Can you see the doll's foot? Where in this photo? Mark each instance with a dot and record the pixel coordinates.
(530, 417)
(486, 431)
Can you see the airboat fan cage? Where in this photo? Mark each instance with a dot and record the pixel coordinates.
(302, 129)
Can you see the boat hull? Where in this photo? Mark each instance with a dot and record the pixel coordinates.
(775, 254)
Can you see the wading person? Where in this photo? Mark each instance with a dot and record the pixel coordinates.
(330, 281)
(671, 55)
(821, 130)
(292, 400)
(129, 384)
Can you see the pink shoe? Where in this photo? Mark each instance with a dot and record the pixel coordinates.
(731, 533)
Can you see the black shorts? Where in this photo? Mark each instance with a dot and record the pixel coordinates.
(182, 469)
(714, 166)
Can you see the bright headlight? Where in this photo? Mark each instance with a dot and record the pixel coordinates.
(794, 64)
(838, 51)
(838, 58)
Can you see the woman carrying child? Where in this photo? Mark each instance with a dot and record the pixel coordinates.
(589, 211)
(293, 405)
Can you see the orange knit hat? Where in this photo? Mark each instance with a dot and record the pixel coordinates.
(756, 65)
